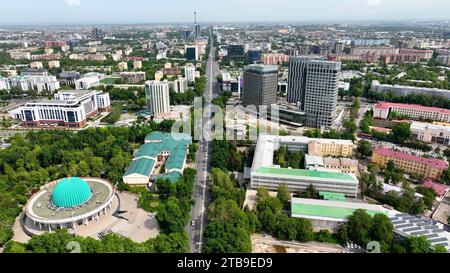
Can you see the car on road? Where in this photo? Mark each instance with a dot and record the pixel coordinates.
(192, 223)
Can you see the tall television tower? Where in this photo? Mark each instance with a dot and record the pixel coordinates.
(196, 26)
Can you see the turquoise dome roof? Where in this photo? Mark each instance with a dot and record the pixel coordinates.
(71, 192)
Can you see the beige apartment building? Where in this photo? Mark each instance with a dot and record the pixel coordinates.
(331, 147)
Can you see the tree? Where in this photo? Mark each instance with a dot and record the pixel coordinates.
(401, 133)
(418, 244)
(358, 227)
(283, 194)
(382, 229)
(342, 234)
(364, 149)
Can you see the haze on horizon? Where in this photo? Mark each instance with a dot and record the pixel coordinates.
(181, 11)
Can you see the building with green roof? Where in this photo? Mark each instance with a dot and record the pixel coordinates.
(328, 214)
(266, 174)
(71, 192)
(168, 149)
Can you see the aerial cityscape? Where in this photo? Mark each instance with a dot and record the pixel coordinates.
(281, 127)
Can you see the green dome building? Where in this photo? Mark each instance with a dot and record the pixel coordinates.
(71, 192)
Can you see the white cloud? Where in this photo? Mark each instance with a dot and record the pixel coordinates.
(73, 2)
(373, 2)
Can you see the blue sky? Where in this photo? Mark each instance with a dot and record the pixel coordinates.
(149, 11)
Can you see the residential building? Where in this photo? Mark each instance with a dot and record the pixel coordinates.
(401, 90)
(20, 55)
(132, 77)
(159, 75)
(180, 85)
(27, 83)
(427, 167)
(123, 66)
(137, 65)
(54, 64)
(189, 72)
(37, 65)
(443, 59)
(260, 85)
(331, 147)
(158, 99)
(383, 110)
(313, 86)
(274, 59)
(68, 109)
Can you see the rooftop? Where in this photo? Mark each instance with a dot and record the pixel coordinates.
(311, 208)
(387, 105)
(434, 162)
(335, 176)
(259, 68)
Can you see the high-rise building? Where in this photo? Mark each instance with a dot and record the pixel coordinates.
(189, 72)
(197, 30)
(260, 85)
(97, 34)
(157, 94)
(313, 85)
(235, 52)
(191, 53)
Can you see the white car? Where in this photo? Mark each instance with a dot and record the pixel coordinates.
(192, 223)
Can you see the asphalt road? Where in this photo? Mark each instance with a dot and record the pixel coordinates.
(202, 188)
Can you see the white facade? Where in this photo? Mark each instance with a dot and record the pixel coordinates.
(401, 90)
(180, 85)
(68, 109)
(87, 82)
(432, 133)
(27, 83)
(382, 111)
(189, 72)
(158, 99)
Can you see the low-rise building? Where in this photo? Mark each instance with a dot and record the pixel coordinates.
(402, 90)
(27, 83)
(382, 111)
(133, 77)
(427, 167)
(326, 214)
(431, 133)
(87, 82)
(265, 174)
(161, 150)
(331, 147)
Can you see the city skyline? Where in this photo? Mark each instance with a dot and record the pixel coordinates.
(176, 11)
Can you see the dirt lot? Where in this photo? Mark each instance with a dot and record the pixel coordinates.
(268, 244)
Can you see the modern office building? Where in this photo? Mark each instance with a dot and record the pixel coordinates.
(158, 99)
(427, 167)
(97, 34)
(265, 174)
(236, 52)
(68, 109)
(68, 203)
(402, 90)
(383, 110)
(432, 133)
(69, 77)
(260, 85)
(191, 53)
(313, 86)
(161, 150)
